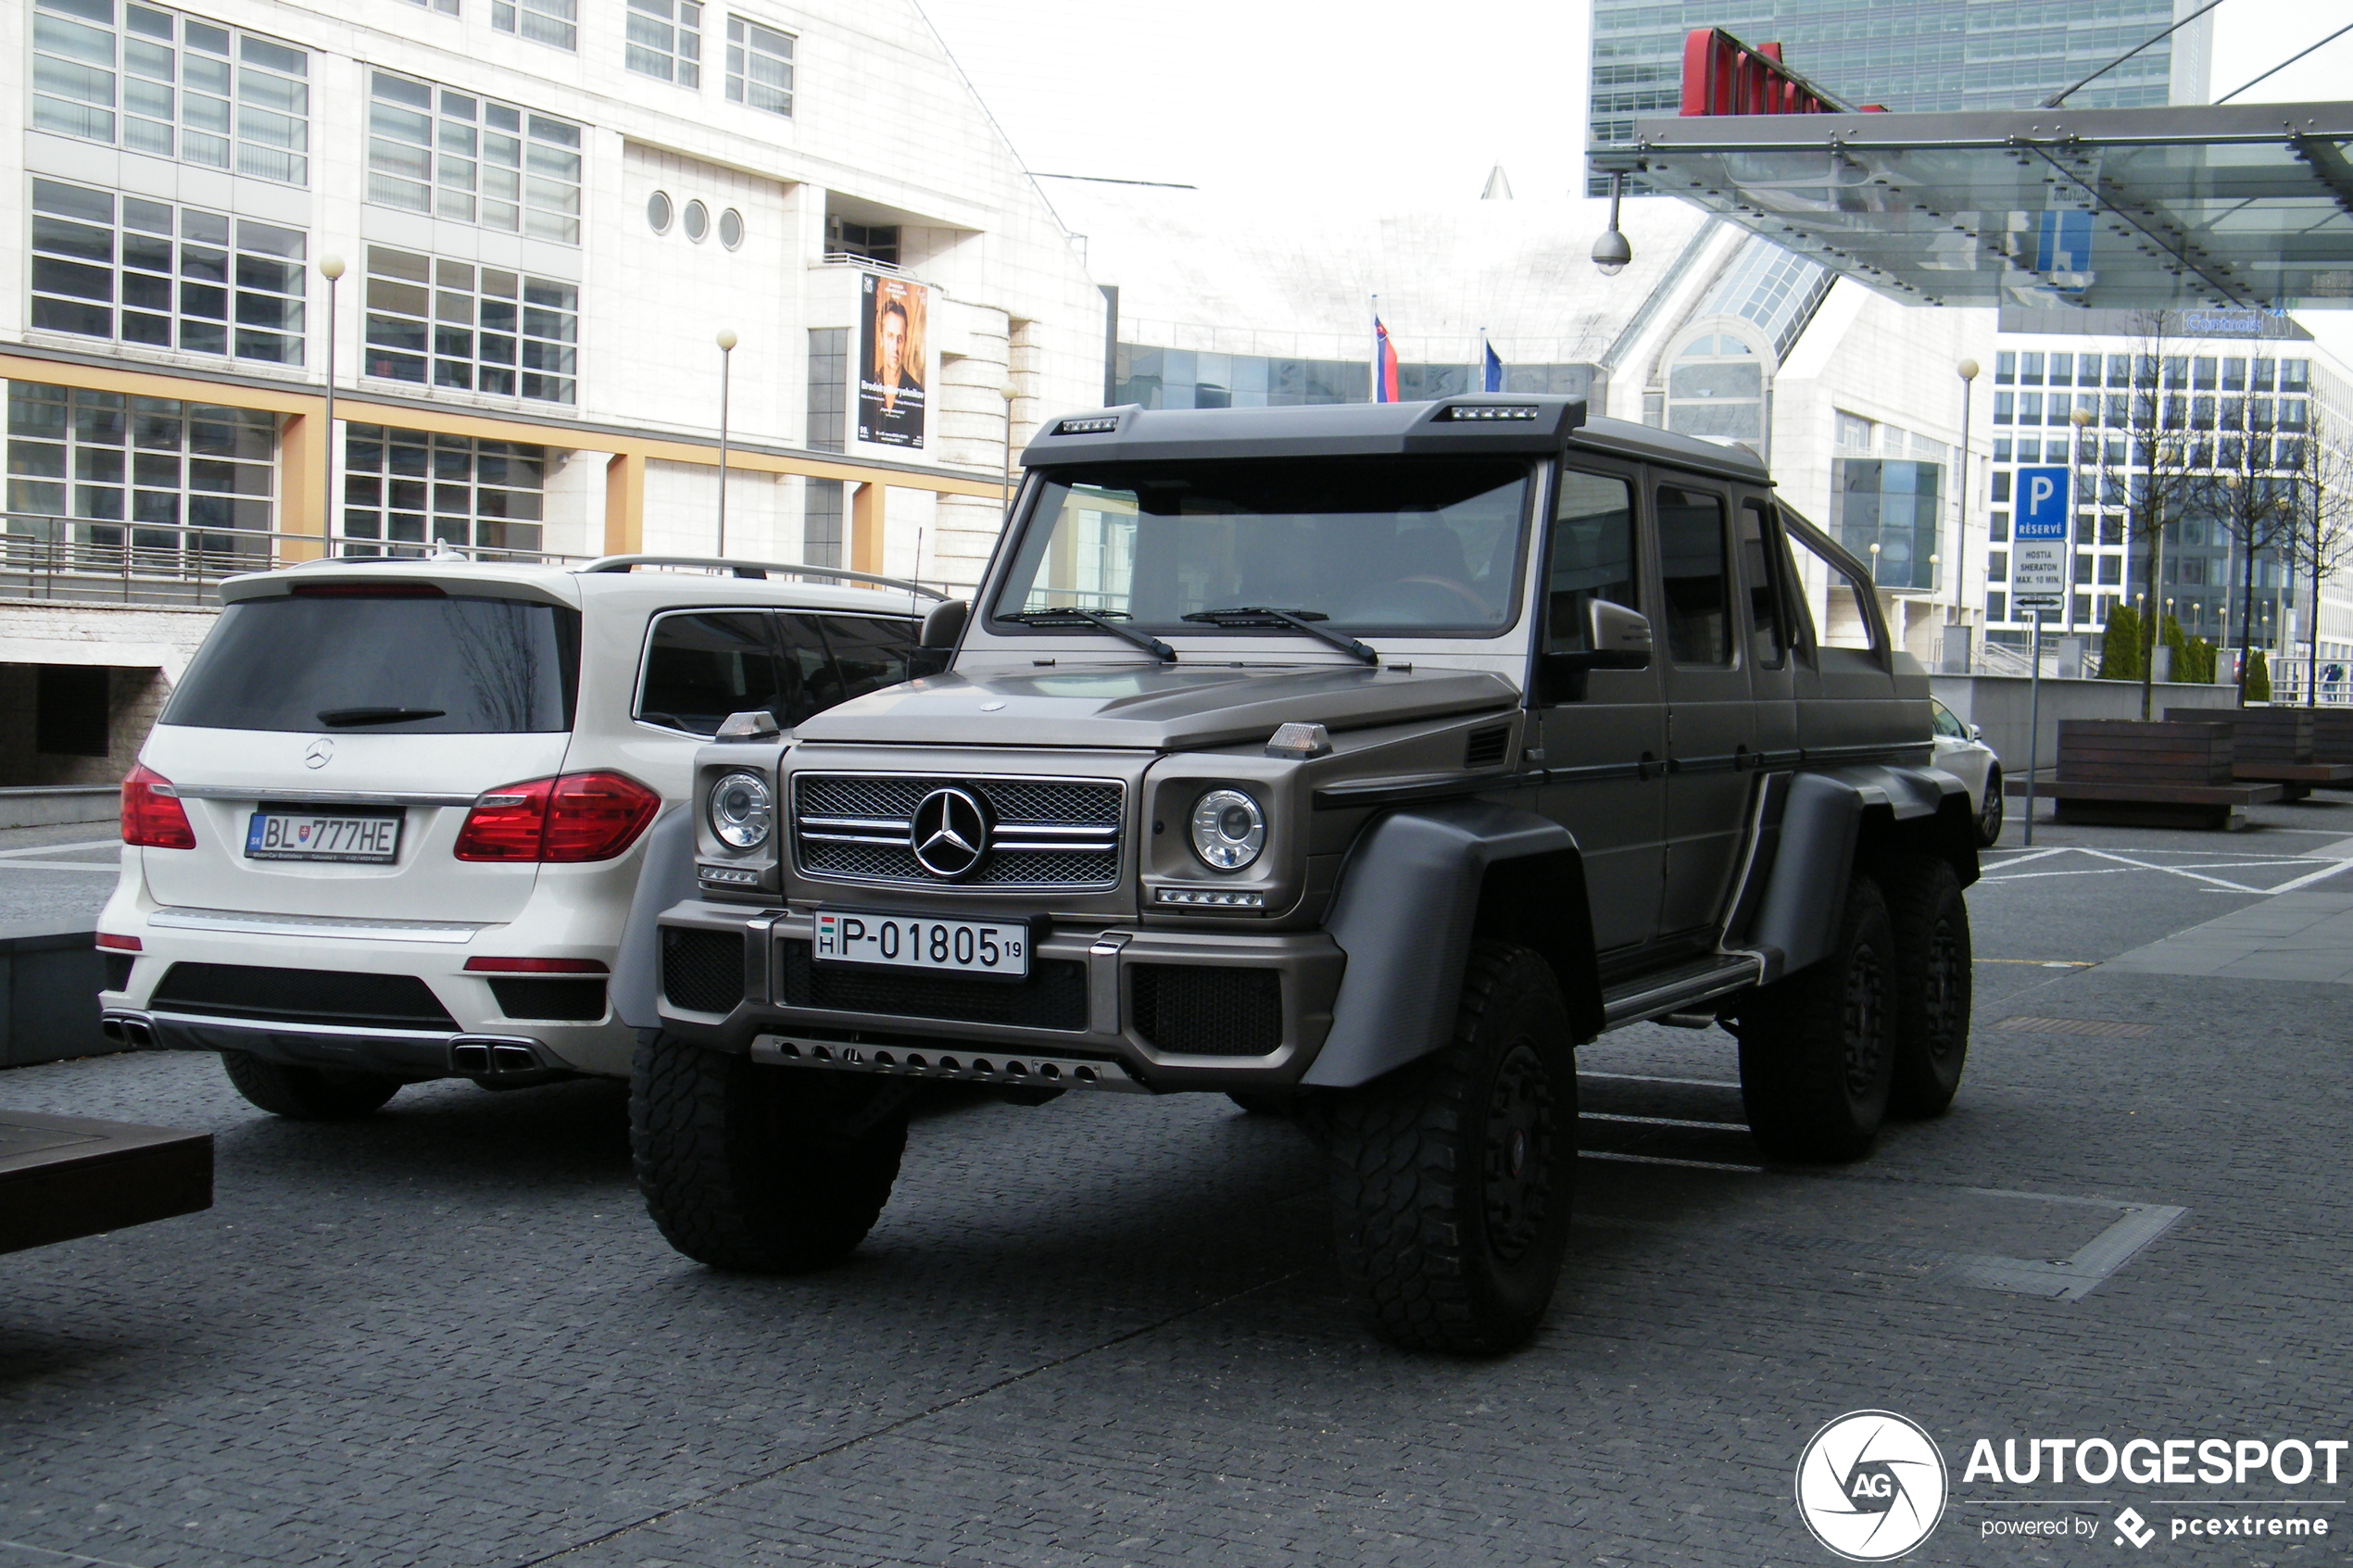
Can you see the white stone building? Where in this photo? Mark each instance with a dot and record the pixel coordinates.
(548, 209)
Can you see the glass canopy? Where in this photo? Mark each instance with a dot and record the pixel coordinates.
(2244, 207)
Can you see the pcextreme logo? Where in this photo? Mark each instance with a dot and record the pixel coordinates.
(1871, 1485)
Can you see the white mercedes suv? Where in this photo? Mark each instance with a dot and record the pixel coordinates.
(390, 823)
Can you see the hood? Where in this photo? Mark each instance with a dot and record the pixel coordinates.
(1165, 708)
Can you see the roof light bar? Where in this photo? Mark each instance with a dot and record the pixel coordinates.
(1461, 411)
(1092, 424)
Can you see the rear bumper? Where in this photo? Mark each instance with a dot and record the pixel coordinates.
(1103, 1021)
(470, 1005)
(411, 1055)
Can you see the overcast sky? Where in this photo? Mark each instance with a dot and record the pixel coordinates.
(1378, 104)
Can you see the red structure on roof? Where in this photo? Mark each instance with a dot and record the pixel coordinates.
(1722, 75)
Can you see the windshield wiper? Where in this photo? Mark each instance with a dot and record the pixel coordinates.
(1070, 615)
(344, 718)
(1300, 620)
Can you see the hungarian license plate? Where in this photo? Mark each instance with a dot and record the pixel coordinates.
(965, 947)
(312, 835)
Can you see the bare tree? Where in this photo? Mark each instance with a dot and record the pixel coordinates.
(2319, 540)
(2157, 482)
(2248, 499)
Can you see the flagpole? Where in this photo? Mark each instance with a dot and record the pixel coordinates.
(1478, 372)
(1376, 362)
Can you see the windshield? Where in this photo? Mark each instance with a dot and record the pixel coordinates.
(397, 663)
(1412, 547)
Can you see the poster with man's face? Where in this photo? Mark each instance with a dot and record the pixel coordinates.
(890, 359)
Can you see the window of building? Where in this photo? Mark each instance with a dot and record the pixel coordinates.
(2295, 376)
(1997, 527)
(1180, 378)
(2005, 369)
(828, 388)
(659, 212)
(2062, 370)
(694, 220)
(1894, 504)
(665, 40)
(1997, 565)
(542, 21)
(2005, 407)
(1715, 387)
(70, 710)
(480, 328)
(184, 88)
(2235, 375)
(862, 241)
(2119, 370)
(403, 487)
(190, 480)
(821, 523)
(471, 160)
(1998, 605)
(2029, 369)
(758, 67)
(731, 228)
(143, 272)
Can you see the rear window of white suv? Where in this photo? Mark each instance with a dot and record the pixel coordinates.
(402, 661)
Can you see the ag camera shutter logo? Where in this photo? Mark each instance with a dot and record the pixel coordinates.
(1871, 1485)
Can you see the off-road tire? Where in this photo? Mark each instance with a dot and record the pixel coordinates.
(1930, 920)
(1817, 1059)
(307, 1094)
(1452, 1178)
(761, 1169)
(1989, 809)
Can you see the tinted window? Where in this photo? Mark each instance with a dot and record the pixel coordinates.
(808, 667)
(870, 652)
(1846, 616)
(1695, 574)
(401, 664)
(1761, 571)
(702, 667)
(1946, 724)
(1592, 557)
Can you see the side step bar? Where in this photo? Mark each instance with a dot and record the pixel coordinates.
(1652, 996)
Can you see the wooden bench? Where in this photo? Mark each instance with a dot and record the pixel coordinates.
(2124, 773)
(64, 1176)
(2331, 734)
(2273, 746)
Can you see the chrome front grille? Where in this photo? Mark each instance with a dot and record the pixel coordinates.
(1043, 833)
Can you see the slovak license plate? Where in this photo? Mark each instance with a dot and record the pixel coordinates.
(962, 946)
(311, 835)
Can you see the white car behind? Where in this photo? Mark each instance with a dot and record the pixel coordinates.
(388, 827)
(1961, 753)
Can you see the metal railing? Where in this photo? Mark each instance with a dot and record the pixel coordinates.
(86, 560)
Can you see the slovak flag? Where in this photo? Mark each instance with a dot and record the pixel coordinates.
(1384, 364)
(1491, 370)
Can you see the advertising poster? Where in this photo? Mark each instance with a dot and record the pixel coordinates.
(891, 358)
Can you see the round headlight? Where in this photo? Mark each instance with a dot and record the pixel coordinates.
(742, 810)
(1228, 829)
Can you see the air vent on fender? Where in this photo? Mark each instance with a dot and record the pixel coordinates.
(1487, 747)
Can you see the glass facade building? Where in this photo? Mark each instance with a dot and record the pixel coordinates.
(1183, 378)
(1905, 54)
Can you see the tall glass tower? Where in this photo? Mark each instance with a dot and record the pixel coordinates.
(1905, 54)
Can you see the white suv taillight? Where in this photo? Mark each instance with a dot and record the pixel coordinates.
(572, 817)
(152, 815)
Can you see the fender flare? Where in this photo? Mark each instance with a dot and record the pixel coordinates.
(1410, 901)
(1823, 823)
(665, 877)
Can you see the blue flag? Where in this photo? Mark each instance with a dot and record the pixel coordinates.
(1492, 377)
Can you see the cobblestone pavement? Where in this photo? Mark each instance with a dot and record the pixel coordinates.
(1105, 1331)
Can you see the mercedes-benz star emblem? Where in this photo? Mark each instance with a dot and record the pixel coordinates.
(320, 752)
(950, 832)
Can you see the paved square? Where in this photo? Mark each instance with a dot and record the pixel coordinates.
(1106, 1331)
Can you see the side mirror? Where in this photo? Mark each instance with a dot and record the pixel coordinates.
(1616, 637)
(944, 627)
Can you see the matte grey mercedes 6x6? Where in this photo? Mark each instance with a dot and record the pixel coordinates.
(1355, 762)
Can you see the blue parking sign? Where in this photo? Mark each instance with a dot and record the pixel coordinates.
(2042, 504)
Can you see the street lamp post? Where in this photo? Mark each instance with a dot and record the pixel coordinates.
(1968, 369)
(726, 341)
(330, 268)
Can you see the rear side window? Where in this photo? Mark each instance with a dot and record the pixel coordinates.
(1769, 643)
(701, 668)
(870, 651)
(1847, 621)
(393, 663)
(1692, 569)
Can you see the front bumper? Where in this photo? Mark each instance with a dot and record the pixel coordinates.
(1152, 1007)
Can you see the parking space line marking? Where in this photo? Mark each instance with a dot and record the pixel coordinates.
(1662, 1121)
(58, 866)
(1662, 1160)
(2309, 877)
(58, 849)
